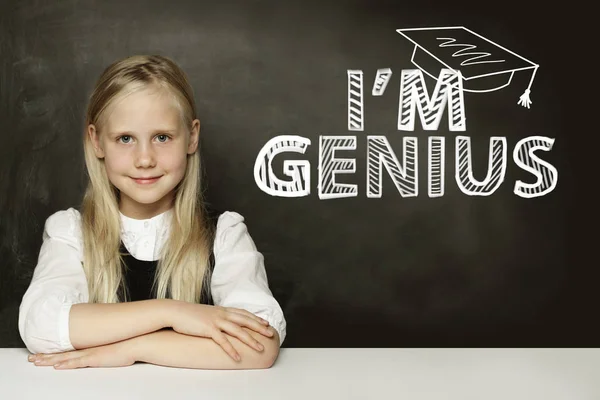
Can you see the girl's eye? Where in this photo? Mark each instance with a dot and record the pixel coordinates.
(126, 139)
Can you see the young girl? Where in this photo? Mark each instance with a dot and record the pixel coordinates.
(145, 272)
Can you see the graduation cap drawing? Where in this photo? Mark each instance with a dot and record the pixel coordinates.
(484, 66)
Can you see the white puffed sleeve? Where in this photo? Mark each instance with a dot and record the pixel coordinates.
(58, 282)
(239, 278)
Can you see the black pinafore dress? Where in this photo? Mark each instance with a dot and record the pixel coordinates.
(139, 274)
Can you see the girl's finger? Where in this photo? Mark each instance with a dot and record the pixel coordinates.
(247, 314)
(236, 331)
(49, 359)
(226, 345)
(241, 320)
(71, 363)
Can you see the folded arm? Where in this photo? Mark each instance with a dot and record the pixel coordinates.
(93, 325)
(55, 315)
(169, 348)
(240, 278)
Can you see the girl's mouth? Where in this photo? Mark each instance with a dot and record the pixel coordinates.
(146, 181)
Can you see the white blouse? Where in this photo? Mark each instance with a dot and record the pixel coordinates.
(239, 278)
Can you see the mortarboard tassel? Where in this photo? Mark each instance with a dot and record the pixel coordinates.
(525, 100)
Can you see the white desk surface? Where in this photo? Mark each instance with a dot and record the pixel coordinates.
(411, 374)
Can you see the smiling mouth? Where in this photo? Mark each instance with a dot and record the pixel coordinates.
(146, 180)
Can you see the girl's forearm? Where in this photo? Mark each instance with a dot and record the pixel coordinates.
(98, 324)
(172, 349)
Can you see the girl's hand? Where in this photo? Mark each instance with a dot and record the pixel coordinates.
(118, 354)
(212, 321)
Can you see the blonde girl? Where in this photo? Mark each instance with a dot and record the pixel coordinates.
(144, 271)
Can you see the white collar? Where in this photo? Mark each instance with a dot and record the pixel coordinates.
(140, 225)
(144, 238)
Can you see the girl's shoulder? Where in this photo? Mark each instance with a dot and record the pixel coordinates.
(64, 225)
(232, 233)
(223, 219)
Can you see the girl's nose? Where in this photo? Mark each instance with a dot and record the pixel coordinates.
(144, 156)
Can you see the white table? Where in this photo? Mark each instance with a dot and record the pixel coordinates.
(411, 374)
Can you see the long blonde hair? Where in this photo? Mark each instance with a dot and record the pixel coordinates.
(181, 271)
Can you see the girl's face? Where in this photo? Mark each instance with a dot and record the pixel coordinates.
(144, 137)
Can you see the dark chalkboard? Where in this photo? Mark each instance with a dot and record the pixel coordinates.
(405, 168)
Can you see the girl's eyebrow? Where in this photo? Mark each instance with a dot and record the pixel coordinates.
(156, 131)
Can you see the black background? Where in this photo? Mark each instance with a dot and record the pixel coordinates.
(356, 272)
